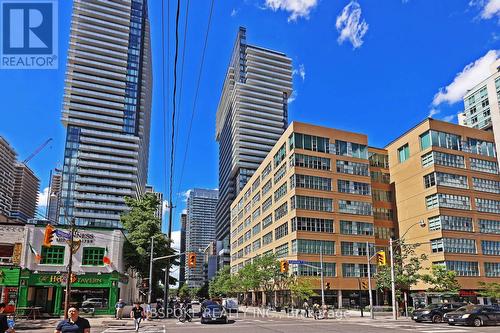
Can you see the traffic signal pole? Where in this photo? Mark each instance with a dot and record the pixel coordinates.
(370, 296)
(322, 276)
(150, 291)
(67, 297)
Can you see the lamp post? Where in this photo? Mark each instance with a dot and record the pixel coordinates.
(391, 252)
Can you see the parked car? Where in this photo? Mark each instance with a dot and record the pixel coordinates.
(213, 313)
(94, 303)
(474, 315)
(435, 312)
(230, 304)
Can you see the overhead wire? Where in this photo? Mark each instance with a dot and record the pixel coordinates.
(195, 100)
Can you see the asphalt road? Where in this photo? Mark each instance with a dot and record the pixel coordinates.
(252, 324)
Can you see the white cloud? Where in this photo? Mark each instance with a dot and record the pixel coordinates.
(433, 112)
(292, 97)
(300, 72)
(184, 211)
(176, 240)
(185, 195)
(489, 8)
(350, 25)
(42, 197)
(470, 76)
(234, 12)
(448, 118)
(166, 209)
(297, 8)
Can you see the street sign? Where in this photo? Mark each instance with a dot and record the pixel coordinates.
(296, 262)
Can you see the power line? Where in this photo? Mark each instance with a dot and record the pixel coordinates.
(195, 101)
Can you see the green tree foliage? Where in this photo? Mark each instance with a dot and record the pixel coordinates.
(490, 289)
(140, 225)
(301, 289)
(441, 279)
(222, 284)
(407, 267)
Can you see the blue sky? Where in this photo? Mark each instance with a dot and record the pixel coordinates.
(376, 67)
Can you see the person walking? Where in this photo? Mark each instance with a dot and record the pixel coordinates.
(4, 324)
(74, 323)
(138, 315)
(119, 309)
(305, 306)
(316, 311)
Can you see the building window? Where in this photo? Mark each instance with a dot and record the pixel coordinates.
(403, 153)
(429, 180)
(492, 269)
(437, 245)
(311, 182)
(463, 268)
(357, 270)
(356, 228)
(486, 185)
(280, 192)
(484, 166)
(425, 140)
(445, 140)
(267, 204)
(281, 251)
(446, 222)
(480, 147)
(488, 205)
(280, 155)
(380, 177)
(351, 149)
(381, 195)
(352, 187)
(355, 248)
(255, 184)
(352, 168)
(309, 142)
(267, 221)
(312, 246)
(280, 173)
(379, 160)
(312, 203)
(93, 256)
(267, 170)
(281, 231)
(248, 235)
(489, 226)
(53, 255)
(256, 199)
(444, 159)
(281, 211)
(490, 247)
(267, 238)
(355, 207)
(256, 229)
(447, 201)
(267, 186)
(312, 224)
(255, 214)
(451, 180)
(384, 233)
(459, 245)
(313, 269)
(311, 162)
(256, 245)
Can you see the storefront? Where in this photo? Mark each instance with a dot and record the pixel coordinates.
(9, 282)
(47, 290)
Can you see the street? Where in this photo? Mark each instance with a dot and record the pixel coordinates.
(249, 323)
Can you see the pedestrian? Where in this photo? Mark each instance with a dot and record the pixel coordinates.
(4, 324)
(316, 311)
(325, 311)
(137, 314)
(305, 306)
(119, 309)
(74, 323)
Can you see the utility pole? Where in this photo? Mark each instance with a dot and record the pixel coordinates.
(67, 297)
(151, 271)
(369, 280)
(167, 268)
(322, 275)
(393, 284)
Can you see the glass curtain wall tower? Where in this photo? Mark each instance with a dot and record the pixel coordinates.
(106, 110)
(251, 116)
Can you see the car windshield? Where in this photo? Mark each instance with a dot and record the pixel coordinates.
(431, 306)
(213, 307)
(469, 308)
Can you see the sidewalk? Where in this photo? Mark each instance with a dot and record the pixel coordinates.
(104, 321)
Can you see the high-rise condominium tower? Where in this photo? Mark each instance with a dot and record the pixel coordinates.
(251, 116)
(25, 194)
(7, 161)
(106, 110)
(200, 230)
(482, 105)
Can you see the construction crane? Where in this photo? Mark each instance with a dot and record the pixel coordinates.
(39, 149)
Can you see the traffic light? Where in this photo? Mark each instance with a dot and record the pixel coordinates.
(364, 284)
(381, 260)
(283, 266)
(327, 287)
(49, 235)
(192, 260)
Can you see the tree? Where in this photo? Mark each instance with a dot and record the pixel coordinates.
(441, 279)
(490, 289)
(267, 268)
(301, 289)
(407, 267)
(248, 278)
(140, 225)
(222, 284)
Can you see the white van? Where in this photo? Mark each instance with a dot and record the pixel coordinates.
(230, 304)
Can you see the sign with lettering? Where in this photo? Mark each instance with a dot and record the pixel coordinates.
(84, 237)
(16, 254)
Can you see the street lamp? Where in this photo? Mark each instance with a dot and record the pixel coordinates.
(422, 224)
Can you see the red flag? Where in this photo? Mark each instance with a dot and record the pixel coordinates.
(106, 260)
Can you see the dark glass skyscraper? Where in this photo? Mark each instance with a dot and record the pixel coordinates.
(106, 110)
(251, 116)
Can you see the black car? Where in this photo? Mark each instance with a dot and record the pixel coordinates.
(475, 315)
(213, 313)
(435, 312)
